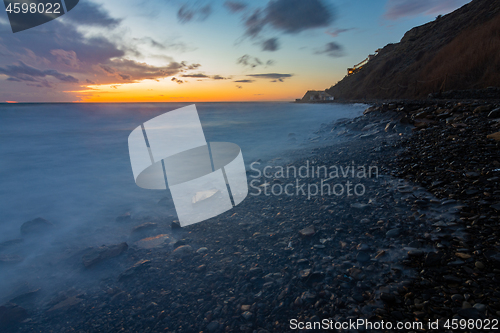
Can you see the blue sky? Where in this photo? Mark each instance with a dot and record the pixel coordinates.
(202, 50)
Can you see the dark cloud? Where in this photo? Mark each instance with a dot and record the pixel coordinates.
(396, 9)
(22, 72)
(198, 75)
(270, 63)
(107, 69)
(192, 66)
(239, 87)
(218, 77)
(250, 61)
(89, 13)
(187, 13)
(244, 81)
(254, 23)
(274, 76)
(337, 32)
(331, 49)
(204, 76)
(290, 16)
(294, 16)
(62, 52)
(177, 80)
(235, 6)
(270, 45)
(137, 71)
(68, 58)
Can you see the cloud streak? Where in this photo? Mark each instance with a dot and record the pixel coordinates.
(188, 13)
(396, 9)
(337, 32)
(331, 49)
(22, 72)
(235, 6)
(274, 76)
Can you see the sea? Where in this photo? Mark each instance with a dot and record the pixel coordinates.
(69, 163)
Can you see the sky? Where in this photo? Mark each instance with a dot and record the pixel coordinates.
(200, 50)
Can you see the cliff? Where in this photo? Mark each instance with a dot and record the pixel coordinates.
(457, 51)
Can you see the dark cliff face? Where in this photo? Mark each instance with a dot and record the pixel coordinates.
(460, 50)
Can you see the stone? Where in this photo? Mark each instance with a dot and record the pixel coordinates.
(494, 113)
(247, 315)
(432, 259)
(124, 217)
(307, 231)
(359, 206)
(36, 226)
(495, 136)
(202, 250)
(472, 174)
(100, 254)
(463, 255)
(482, 108)
(175, 225)
(416, 253)
(479, 265)
(132, 270)
(480, 307)
(148, 226)
(415, 244)
(469, 313)
(11, 314)
(66, 304)
(363, 257)
(213, 326)
(451, 279)
(154, 242)
(304, 274)
(393, 233)
(387, 297)
(182, 251)
(10, 243)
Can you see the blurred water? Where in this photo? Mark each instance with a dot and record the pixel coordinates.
(69, 163)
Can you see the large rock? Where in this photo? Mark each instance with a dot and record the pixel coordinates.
(135, 268)
(182, 251)
(95, 256)
(36, 226)
(11, 314)
(10, 243)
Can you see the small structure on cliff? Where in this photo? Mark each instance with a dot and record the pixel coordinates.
(316, 96)
(356, 68)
